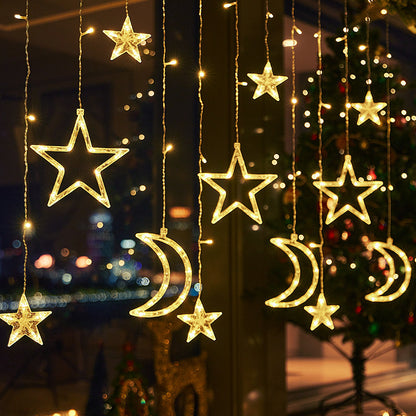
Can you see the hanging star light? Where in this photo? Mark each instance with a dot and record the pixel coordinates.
(200, 321)
(267, 82)
(43, 150)
(321, 313)
(126, 40)
(209, 178)
(24, 322)
(339, 183)
(368, 109)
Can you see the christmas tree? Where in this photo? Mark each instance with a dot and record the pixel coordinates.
(353, 268)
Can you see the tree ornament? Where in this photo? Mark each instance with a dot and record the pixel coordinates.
(148, 238)
(24, 322)
(321, 313)
(254, 212)
(339, 183)
(267, 82)
(200, 321)
(126, 40)
(43, 150)
(283, 243)
(368, 110)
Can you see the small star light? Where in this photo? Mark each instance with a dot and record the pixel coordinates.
(368, 109)
(321, 313)
(339, 183)
(200, 322)
(253, 213)
(42, 150)
(126, 40)
(267, 82)
(24, 322)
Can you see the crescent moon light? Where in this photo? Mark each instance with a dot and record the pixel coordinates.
(149, 239)
(283, 244)
(381, 247)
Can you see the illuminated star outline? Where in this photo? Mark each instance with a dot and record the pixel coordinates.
(42, 150)
(126, 40)
(24, 322)
(368, 109)
(219, 212)
(370, 185)
(321, 313)
(200, 321)
(267, 82)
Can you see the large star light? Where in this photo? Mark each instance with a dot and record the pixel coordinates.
(368, 109)
(321, 313)
(220, 212)
(267, 82)
(200, 322)
(116, 153)
(370, 186)
(126, 40)
(24, 322)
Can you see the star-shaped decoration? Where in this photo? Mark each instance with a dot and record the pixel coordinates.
(24, 322)
(43, 150)
(368, 109)
(200, 322)
(370, 186)
(209, 178)
(126, 40)
(267, 82)
(321, 313)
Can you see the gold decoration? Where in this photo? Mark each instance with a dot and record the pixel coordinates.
(126, 40)
(321, 313)
(43, 150)
(209, 178)
(200, 321)
(148, 238)
(382, 248)
(282, 243)
(368, 109)
(267, 82)
(175, 377)
(24, 322)
(333, 202)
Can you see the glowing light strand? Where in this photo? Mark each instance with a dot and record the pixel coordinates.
(368, 109)
(24, 322)
(347, 166)
(237, 156)
(149, 238)
(378, 295)
(126, 40)
(282, 243)
(322, 312)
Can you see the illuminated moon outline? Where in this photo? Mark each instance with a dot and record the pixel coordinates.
(282, 243)
(381, 247)
(149, 239)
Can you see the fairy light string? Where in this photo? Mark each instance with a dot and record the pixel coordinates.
(321, 312)
(80, 55)
(236, 71)
(293, 102)
(266, 31)
(367, 27)
(200, 155)
(164, 114)
(26, 224)
(347, 98)
(379, 295)
(24, 322)
(388, 137)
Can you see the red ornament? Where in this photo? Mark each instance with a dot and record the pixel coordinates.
(341, 88)
(411, 318)
(314, 136)
(358, 309)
